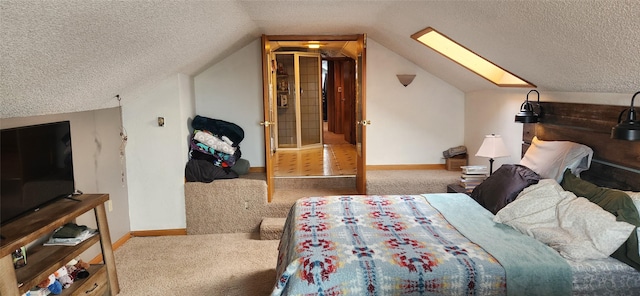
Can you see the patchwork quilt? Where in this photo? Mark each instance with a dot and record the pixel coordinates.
(383, 245)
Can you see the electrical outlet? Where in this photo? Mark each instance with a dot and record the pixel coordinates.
(110, 205)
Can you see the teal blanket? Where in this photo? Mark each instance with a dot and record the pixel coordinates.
(532, 268)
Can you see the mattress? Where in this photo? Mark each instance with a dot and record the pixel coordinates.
(403, 245)
(604, 277)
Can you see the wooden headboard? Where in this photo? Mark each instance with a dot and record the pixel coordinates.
(615, 164)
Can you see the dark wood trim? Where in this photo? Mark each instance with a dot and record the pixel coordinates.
(349, 99)
(331, 96)
(616, 163)
(337, 99)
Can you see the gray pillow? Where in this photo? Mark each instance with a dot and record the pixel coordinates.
(241, 167)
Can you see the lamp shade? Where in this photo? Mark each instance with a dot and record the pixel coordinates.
(406, 79)
(630, 128)
(526, 114)
(493, 147)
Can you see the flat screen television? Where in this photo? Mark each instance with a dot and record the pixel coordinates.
(36, 167)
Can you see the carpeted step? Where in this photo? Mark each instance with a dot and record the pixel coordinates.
(315, 182)
(271, 228)
(383, 182)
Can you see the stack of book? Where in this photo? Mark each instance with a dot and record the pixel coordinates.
(472, 176)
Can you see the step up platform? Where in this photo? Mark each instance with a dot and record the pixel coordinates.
(240, 205)
(271, 228)
(315, 182)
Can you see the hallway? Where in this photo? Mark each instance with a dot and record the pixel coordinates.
(330, 160)
(335, 158)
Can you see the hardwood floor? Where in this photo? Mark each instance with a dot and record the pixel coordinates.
(335, 158)
(330, 160)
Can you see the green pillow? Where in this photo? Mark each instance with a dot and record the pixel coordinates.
(615, 202)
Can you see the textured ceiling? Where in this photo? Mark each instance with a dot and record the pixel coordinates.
(65, 56)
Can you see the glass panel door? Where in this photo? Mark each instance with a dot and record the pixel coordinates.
(298, 102)
(310, 93)
(285, 94)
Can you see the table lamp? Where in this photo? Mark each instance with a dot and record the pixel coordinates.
(492, 147)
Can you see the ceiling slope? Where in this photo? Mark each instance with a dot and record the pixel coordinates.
(66, 56)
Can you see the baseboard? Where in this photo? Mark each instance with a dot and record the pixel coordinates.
(257, 170)
(121, 241)
(127, 236)
(114, 246)
(435, 166)
(161, 232)
(406, 167)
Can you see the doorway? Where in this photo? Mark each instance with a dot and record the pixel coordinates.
(341, 108)
(325, 146)
(298, 95)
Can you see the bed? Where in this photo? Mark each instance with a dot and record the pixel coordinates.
(532, 228)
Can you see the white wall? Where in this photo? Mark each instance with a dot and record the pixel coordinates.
(410, 125)
(186, 95)
(494, 111)
(156, 156)
(413, 124)
(97, 165)
(231, 90)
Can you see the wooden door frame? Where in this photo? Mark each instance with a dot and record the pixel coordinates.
(266, 50)
(268, 114)
(361, 116)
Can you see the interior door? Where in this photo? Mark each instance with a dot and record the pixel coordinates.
(362, 122)
(349, 78)
(268, 69)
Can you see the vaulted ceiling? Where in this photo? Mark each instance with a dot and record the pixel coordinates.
(64, 56)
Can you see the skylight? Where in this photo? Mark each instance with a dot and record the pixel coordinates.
(468, 59)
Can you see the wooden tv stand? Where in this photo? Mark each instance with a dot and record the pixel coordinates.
(43, 261)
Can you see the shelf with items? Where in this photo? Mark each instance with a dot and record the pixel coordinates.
(283, 101)
(283, 91)
(42, 261)
(45, 260)
(283, 85)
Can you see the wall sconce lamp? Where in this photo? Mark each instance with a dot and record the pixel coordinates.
(406, 79)
(629, 129)
(526, 114)
(492, 147)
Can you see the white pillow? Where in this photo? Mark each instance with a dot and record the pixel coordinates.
(551, 158)
(575, 227)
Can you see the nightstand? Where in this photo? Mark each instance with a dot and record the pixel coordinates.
(456, 188)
